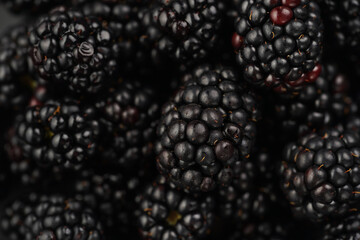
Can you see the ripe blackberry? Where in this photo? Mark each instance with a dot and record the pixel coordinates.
(165, 213)
(58, 133)
(278, 44)
(74, 49)
(112, 197)
(320, 173)
(185, 30)
(207, 129)
(130, 114)
(323, 103)
(346, 228)
(49, 217)
(14, 69)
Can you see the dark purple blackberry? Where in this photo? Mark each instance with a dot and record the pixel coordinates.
(278, 44)
(130, 114)
(15, 80)
(320, 173)
(49, 217)
(112, 197)
(207, 129)
(58, 133)
(346, 228)
(323, 103)
(74, 49)
(165, 213)
(186, 31)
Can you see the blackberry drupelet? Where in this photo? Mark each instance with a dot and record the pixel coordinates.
(346, 228)
(49, 217)
(185, 30)
(320, 173)
(130, 113)
(74, 49)
(324, 103)
(58, 134)
(278, 44)
(14, 69)
(165, 213)
(206, 130)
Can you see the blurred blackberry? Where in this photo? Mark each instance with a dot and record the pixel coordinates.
(320, 173)
(130, 114)
(320, 104)
(35, 6)
(58, 133)
(264, 230)
(346, 228)
(49, 217)
(74, 49)
(165, 213)
(278, 44)
(112, 197)
(185, 30)
(15, 81)
(206, 130)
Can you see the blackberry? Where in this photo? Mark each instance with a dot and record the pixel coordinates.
(346, 228)
(165, 213)
(207, 129)
(58, 134)
(19, 6)
(278, 44)
(14, 69)
(185, 30)
(268, 230)
(49, 217)
(320, 173)
(130, 113)
(324, 103)
(74, 49)
(131, 44)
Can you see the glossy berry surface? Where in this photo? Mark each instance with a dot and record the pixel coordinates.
(206, 130)
(282, 42)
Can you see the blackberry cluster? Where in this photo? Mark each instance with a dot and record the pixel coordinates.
(15, 81)
(278, 44)
(165, 213)
(49, 217)
(320, 175)
(348, 228)
(324, 103)
(74, 49)
(206, 130)
(187, 31)
(111, 196)
(58, 133)
(129, 114)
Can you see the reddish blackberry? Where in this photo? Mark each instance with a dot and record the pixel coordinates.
(320, 104)
(74, 49)
(346, 228)
(130, 113)
(14, 69)
(185, 30)
(207, 129)
(165, 213)
(320, 173)
(58, 133)
(278, 43)
(49, 217)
